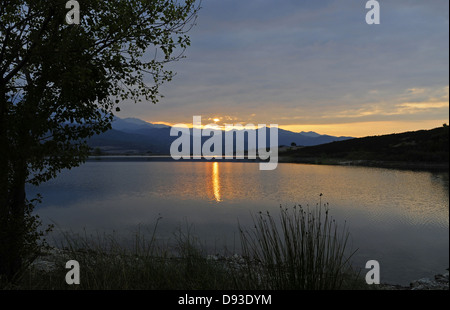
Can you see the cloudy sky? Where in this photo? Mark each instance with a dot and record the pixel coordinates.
(312, 65)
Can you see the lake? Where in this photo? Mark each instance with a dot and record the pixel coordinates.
(399, 218)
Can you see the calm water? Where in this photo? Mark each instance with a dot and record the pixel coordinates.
(399, 218)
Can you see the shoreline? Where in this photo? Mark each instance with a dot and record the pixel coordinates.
(48, 262)
(438, 282)
(414, 166)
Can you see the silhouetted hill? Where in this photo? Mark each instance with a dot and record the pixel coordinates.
(116, 141)
(410, 148)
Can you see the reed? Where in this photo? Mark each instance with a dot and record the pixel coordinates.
(145, 263)
(304, 249)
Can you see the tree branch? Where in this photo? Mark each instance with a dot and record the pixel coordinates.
(25, 59)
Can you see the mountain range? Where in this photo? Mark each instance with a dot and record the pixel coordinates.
(135, 136)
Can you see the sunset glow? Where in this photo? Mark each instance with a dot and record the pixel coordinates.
(332, 74)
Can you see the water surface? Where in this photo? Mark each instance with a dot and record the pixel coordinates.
(399, 218)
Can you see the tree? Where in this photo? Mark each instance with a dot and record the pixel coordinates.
(59, 85)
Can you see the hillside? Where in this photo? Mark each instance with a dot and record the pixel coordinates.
(423, 148)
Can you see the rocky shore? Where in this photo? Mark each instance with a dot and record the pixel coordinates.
(440, 282)
(47, 263)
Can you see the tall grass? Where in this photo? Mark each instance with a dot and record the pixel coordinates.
(303, 250)
(144, 264)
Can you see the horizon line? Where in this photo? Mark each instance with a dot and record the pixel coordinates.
(360, 129)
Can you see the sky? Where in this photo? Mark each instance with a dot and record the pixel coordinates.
(311, 65)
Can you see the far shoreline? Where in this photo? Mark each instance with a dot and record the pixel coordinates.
(414, 166)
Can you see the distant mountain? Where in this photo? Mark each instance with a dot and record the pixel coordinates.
(135, 136)
(311, 134)
(132, 125)
(119, 142)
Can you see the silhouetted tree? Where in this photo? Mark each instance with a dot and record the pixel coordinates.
(59, 84)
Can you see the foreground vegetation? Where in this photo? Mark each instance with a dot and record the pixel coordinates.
(299, 249)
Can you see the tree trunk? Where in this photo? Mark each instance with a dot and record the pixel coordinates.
(4, 186)
(13, 174)
(16, 231)
(14, 228)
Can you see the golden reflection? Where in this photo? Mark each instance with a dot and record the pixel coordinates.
(215, 181)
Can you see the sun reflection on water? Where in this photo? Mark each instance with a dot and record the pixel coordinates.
(216, 181)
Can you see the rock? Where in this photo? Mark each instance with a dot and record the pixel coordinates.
(441, 278)
(440, 282)
(47, 261)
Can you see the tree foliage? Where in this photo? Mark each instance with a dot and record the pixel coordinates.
(60, 83)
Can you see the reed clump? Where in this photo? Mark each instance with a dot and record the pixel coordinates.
(304, 249)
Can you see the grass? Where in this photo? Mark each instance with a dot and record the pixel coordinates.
(303, 250)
